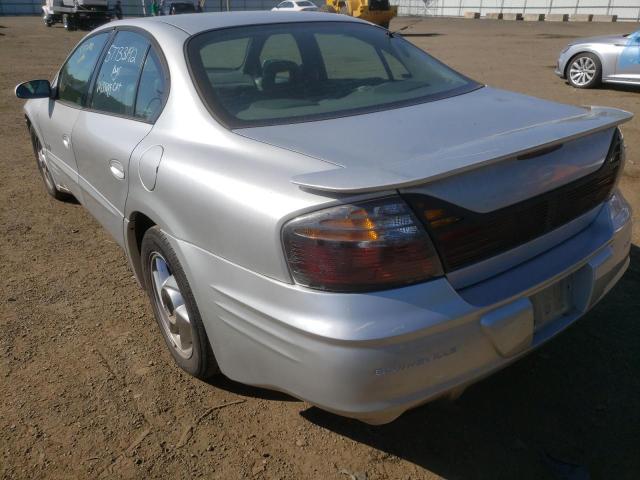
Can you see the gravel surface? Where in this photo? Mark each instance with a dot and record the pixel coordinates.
(88, 390)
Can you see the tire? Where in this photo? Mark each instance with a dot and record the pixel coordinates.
(584, 71)
(174, 306)
(47, 20)
(47, 178)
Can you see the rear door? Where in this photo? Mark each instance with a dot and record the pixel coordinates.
(127, 95)
(58, 122)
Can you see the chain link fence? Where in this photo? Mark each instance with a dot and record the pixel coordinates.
(624, 9)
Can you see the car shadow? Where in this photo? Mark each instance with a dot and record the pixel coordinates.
(70, 199)
(620, 87)
(225, 383)
(418, 34)
(567, 411)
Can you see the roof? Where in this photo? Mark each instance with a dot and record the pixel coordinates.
(198, 22)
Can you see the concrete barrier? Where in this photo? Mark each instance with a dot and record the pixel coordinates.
(493, 16)
(512, 16)
(557, 17)
(471, 14)
(605, 18)
(533, 17)
(581, 17)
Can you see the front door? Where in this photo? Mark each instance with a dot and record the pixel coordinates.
(72, 88)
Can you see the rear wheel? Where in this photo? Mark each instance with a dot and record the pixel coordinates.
(174, 306)
(584, 71)
(48, 21)
(43, 168)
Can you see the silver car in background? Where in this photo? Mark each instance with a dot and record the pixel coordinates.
(588, 62)
(295, 6)
(315, 205)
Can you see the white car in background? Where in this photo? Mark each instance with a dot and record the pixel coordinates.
(295, 6)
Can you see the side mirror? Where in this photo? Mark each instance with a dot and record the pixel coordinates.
(34, 89)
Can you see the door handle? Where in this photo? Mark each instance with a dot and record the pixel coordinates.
(116, 169)
(66, 141)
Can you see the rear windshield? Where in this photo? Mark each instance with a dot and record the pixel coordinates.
(293, 72)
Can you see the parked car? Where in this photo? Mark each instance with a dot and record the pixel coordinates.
(176, 8)
(295, 6)
(588, 62)
(315, 205)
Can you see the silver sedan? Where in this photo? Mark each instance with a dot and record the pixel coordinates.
(315, 205)
(588, 62)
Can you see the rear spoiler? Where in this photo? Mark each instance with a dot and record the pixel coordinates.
(460, 158)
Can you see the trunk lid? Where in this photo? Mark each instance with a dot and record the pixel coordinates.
(426, 143)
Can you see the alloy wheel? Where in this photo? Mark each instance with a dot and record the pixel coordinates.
(582, 71)
(171, 306)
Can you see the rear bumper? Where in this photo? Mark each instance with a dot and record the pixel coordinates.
(373, 356)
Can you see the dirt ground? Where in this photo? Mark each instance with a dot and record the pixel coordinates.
(88, 390)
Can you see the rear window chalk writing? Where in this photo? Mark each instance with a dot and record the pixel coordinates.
(121, 54)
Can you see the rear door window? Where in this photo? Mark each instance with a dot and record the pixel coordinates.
(152, 89)
(117, 82)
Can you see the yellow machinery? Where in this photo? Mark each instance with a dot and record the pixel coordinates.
(374, 11)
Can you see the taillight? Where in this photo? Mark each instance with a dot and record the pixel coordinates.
(365, 246)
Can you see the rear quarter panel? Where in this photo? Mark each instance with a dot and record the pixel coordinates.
(215, 189)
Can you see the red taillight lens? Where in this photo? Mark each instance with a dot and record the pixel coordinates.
(367, 246)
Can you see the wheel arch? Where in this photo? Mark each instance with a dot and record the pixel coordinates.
(32, 125)
(32, 129)
(137, 225)
(581, 51)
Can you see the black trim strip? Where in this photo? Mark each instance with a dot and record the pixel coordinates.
(470, 236)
